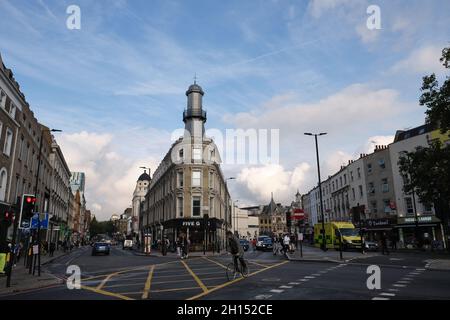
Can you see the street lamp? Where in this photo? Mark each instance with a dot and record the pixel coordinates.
(36, 191)
(324, 246)
(236, 229)
(416, 219)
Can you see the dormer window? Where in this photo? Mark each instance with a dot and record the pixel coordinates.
(181, 154)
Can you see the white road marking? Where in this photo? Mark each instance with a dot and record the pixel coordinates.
(316, 274)
(310, 277)
(420, 269)
(294, 283)
(399, 285)
(380, 298)
(393, 290)
(276, 291)
(285, 287)
(387, 294)
(263, 296)
(304, 280)
(403, 281)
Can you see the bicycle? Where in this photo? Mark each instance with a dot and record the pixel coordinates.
(231, 272)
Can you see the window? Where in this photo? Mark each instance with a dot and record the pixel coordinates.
(196, 206)
(180, 179)
(384, 185)
(387, 205)
(3, 180)
(353, 193)
(211, 206)
(181, 154)
(8, 142)
(382, 163)
(373, 206)
(351, 175)
(360, 191)
(369, 168)
(197, 153)
(1, 130)
(371, 188)
(340, 180)
(211, 179)
(2, 98)
(409, 206)
(345, 179)
(180, 206)
(196, 178)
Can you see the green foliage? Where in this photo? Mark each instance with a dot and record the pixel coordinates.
(102, 227)
(437, 99)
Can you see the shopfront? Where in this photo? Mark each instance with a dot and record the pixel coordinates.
(208, 234)
(426, 231)
(374, 228)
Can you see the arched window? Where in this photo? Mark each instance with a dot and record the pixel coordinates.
(3, 181)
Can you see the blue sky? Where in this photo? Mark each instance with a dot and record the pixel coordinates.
(118, 84)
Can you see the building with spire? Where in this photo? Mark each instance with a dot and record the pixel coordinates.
(188, 194)
(138, 197)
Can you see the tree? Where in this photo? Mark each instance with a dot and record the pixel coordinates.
(437, 99)
(426, 172)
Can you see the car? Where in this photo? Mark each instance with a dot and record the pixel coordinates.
(371, 245)
(128, 244)
(244, 244)
(100, 247)
(264, 243)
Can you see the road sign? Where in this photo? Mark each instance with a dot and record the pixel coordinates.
(44, 221)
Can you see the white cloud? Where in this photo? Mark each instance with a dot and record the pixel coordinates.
(424, 60)
(371, 142)
(318, 7)
(367, 36)
(263, 180)
(111, 170)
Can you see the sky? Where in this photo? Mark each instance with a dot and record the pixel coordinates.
(116, 86)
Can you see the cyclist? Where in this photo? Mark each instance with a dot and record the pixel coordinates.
(237, 251)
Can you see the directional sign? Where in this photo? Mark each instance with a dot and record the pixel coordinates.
(35, 222)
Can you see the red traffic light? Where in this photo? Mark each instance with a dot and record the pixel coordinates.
(30, 199)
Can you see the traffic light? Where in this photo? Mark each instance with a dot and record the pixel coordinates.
(8, 217)
(27, 210)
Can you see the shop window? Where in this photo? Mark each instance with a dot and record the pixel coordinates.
(409, 206)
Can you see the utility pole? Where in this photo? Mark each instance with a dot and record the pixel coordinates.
(323, 245)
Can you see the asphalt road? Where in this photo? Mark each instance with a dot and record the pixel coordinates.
(123, 275)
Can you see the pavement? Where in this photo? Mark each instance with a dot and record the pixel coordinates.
(314, 254)
(123, 275)
(21, 280)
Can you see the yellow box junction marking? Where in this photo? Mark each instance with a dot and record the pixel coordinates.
(148, 283)
(197, 279)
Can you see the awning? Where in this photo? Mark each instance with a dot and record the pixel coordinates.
(413, 225)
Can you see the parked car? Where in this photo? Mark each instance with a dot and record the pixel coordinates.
(100, 247)
(371, 245)
(128, 244)
(264, 243)
(244, 244)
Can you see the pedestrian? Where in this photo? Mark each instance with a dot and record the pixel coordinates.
(286, 242)
(184, 247)
(254, 244)
(384, 246)
(52, 248)
(179, 246)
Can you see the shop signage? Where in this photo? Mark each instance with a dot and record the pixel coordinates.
(421, 219)
(374, 223)
(197, 223)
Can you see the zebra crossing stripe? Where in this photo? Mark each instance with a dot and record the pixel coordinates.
(387, 294)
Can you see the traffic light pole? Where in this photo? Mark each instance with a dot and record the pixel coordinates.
(36, 195)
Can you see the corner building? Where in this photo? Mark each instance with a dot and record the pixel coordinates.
(188, 192)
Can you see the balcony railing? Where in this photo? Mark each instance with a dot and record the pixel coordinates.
(189, 113)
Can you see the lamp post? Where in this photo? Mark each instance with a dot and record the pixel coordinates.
(36, 191)
(230, 178)
(324, 246)
(236, 220)
(416, 219)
